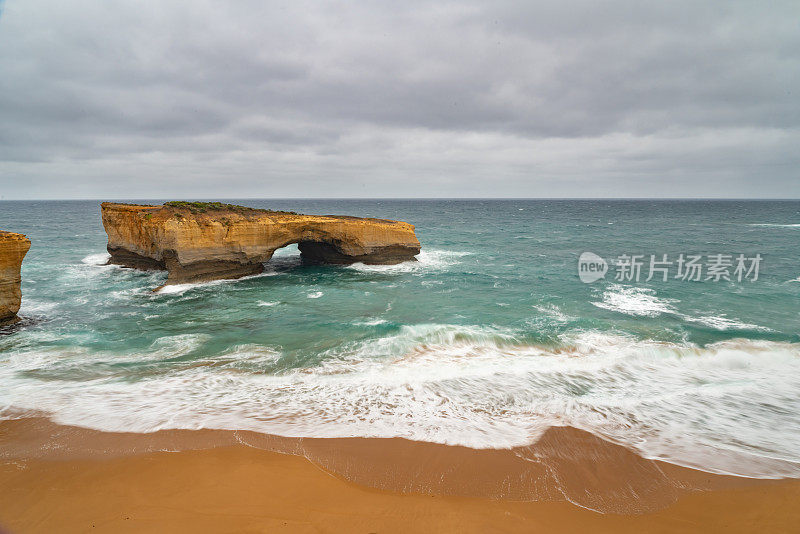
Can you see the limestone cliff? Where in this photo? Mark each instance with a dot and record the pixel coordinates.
(13, 248)
(206, 241)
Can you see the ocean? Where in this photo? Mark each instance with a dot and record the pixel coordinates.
(486, 341)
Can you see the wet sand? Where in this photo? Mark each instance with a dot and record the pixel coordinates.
(67, 479)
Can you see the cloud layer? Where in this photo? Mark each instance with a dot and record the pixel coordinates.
(273, 99)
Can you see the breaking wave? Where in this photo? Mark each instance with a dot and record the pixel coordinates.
(633, 300)
(427, 260)
(100, 259)
(729, 407)
(722, 322)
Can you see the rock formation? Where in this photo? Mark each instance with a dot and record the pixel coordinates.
(13, 248)
(199, 241)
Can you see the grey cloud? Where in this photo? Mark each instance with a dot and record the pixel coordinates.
(543, 96)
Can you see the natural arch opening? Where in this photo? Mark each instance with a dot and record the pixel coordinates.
(200, 241)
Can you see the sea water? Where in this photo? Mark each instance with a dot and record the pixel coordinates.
(486, 341)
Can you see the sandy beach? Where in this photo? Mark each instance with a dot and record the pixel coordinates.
(399, 267)
(67, 479)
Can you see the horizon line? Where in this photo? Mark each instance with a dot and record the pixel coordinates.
(201, 199)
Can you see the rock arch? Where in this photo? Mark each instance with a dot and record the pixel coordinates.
(209, 241)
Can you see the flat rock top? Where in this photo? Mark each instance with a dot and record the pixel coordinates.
(11, 236)
(219, 211)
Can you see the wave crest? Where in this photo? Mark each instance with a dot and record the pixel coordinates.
(727, 407)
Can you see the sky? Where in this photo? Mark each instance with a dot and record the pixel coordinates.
(257, 99)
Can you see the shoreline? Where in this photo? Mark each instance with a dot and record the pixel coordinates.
(181, 480)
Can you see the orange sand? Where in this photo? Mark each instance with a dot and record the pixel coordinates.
(64, 479)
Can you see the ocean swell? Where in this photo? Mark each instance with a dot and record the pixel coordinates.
(729, 407)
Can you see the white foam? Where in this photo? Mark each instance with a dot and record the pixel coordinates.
(728, 407)
(721, 322)
(634, 300)
(371, 322)
(315, 295)
(173, 346)
(553, 312)
(776, 225)
(35, 307)
(97, 259)
(268, 304)
(180, 289)
(426, 260)
(250, 353)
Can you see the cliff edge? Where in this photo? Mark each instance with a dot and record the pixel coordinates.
(200, 241)
(13, 248)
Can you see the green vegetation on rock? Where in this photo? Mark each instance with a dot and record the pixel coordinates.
(205, 207)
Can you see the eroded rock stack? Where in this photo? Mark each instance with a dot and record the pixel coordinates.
(200, 241)
(13, 248)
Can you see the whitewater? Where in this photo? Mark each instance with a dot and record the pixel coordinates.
(486, 341)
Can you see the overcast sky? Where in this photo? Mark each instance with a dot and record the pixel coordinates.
(212, 99)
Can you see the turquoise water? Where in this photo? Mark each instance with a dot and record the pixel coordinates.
(487, 340)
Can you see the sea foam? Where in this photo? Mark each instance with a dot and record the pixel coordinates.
(729, 407)
(427, 260)
(634, 300)
(97, 259)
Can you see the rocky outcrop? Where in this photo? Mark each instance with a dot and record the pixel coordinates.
(207, 241)
(13, 248)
